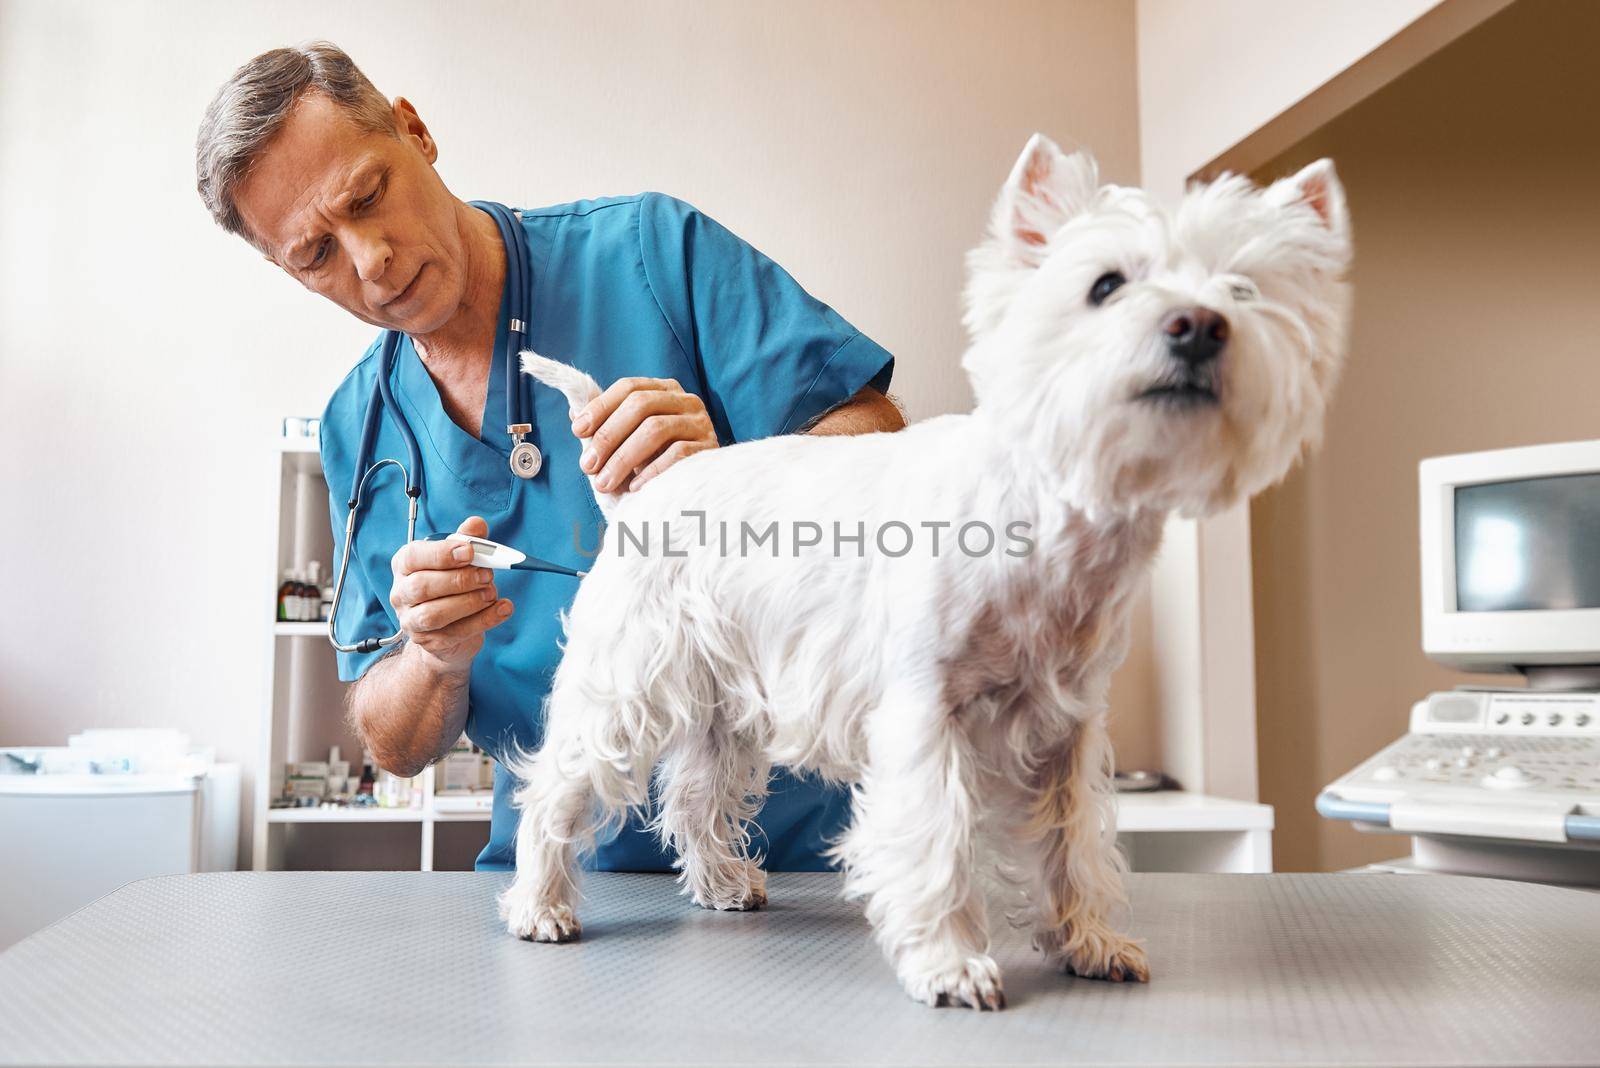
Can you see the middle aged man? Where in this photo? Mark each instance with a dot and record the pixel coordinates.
(704, 340)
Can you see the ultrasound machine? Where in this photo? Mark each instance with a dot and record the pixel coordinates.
(1500, 782)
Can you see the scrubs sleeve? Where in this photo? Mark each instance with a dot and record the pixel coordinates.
(771, 357)
(361, 613)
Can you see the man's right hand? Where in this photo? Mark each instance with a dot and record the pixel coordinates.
(444, 604)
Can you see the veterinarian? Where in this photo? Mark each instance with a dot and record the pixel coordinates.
(703, 340)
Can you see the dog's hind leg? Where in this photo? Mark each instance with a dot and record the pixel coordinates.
(911, 852)
(1077, 867)
(711, 787)
(557, 805)
(590, 769)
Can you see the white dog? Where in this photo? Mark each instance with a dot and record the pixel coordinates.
(933, 615)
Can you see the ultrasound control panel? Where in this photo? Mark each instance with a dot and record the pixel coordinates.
(1490, 763)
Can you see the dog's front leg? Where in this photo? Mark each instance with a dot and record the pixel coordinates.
(911, 853)
(1076, 866)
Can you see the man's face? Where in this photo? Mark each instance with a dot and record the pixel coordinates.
(360, 217)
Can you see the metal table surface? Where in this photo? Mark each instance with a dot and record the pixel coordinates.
(409, 968)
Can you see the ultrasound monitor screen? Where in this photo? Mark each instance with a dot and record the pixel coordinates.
(1528, 545)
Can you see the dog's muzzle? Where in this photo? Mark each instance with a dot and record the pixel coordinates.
(1195, 338)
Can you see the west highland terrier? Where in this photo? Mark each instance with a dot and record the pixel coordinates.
(1127, 363)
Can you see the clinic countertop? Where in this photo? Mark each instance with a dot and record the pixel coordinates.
(405, 968)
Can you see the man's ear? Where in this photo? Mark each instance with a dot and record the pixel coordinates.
(410, 127)
(1317, 187)
(1046, 188)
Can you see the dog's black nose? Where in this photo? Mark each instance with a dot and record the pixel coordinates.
(1194, 335)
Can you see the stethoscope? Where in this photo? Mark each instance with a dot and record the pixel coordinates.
(525, 458)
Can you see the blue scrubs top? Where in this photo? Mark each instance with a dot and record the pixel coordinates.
(645, 286)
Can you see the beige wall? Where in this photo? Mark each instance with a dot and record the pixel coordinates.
(146, 358)
(1211, 75)
(1472, 184)
(1226, 86)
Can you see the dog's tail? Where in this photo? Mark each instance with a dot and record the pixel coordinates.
(579, 389)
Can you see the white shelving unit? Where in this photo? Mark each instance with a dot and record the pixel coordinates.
(303, 714)
(1174, 830)
(1168, 830)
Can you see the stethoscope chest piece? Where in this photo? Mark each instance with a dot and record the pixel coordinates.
(525, 457)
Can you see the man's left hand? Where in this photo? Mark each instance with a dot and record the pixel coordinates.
(638, 428)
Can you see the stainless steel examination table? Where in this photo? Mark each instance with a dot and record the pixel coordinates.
(403, 968)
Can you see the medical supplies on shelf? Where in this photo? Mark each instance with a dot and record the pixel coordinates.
(466, 772)
(464, 769)
(305, 596)
(115, 751)
(302, 426)
(329, 784)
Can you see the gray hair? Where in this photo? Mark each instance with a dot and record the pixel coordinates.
(253, 105)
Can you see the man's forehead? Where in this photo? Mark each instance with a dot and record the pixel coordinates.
(312, 156)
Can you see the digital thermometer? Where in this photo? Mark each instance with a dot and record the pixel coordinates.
(492, 554)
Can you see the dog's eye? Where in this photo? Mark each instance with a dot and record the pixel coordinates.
(1104, 286)
(1242, 291)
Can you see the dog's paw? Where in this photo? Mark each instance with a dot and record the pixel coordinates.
(974, 983)
(748, 893)
(751, 899)
(535, 922)
(1110, 957)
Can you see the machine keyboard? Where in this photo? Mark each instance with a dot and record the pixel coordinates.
(1547, 763)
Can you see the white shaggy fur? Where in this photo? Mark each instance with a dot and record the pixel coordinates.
(963, 696)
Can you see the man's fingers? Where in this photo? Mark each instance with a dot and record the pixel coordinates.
(440, 612)
(635, 424)
(678, 450)
(438, 555)
(597, 411)
(620, 425)
(430, 556)
(461, 630)
(420, 587)
(653, 435)
(443, 603)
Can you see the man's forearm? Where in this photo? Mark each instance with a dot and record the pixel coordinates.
(867, 412)
(408, 709)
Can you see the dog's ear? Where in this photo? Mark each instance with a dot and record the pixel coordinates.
(1046, 188)
(1317, 187)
